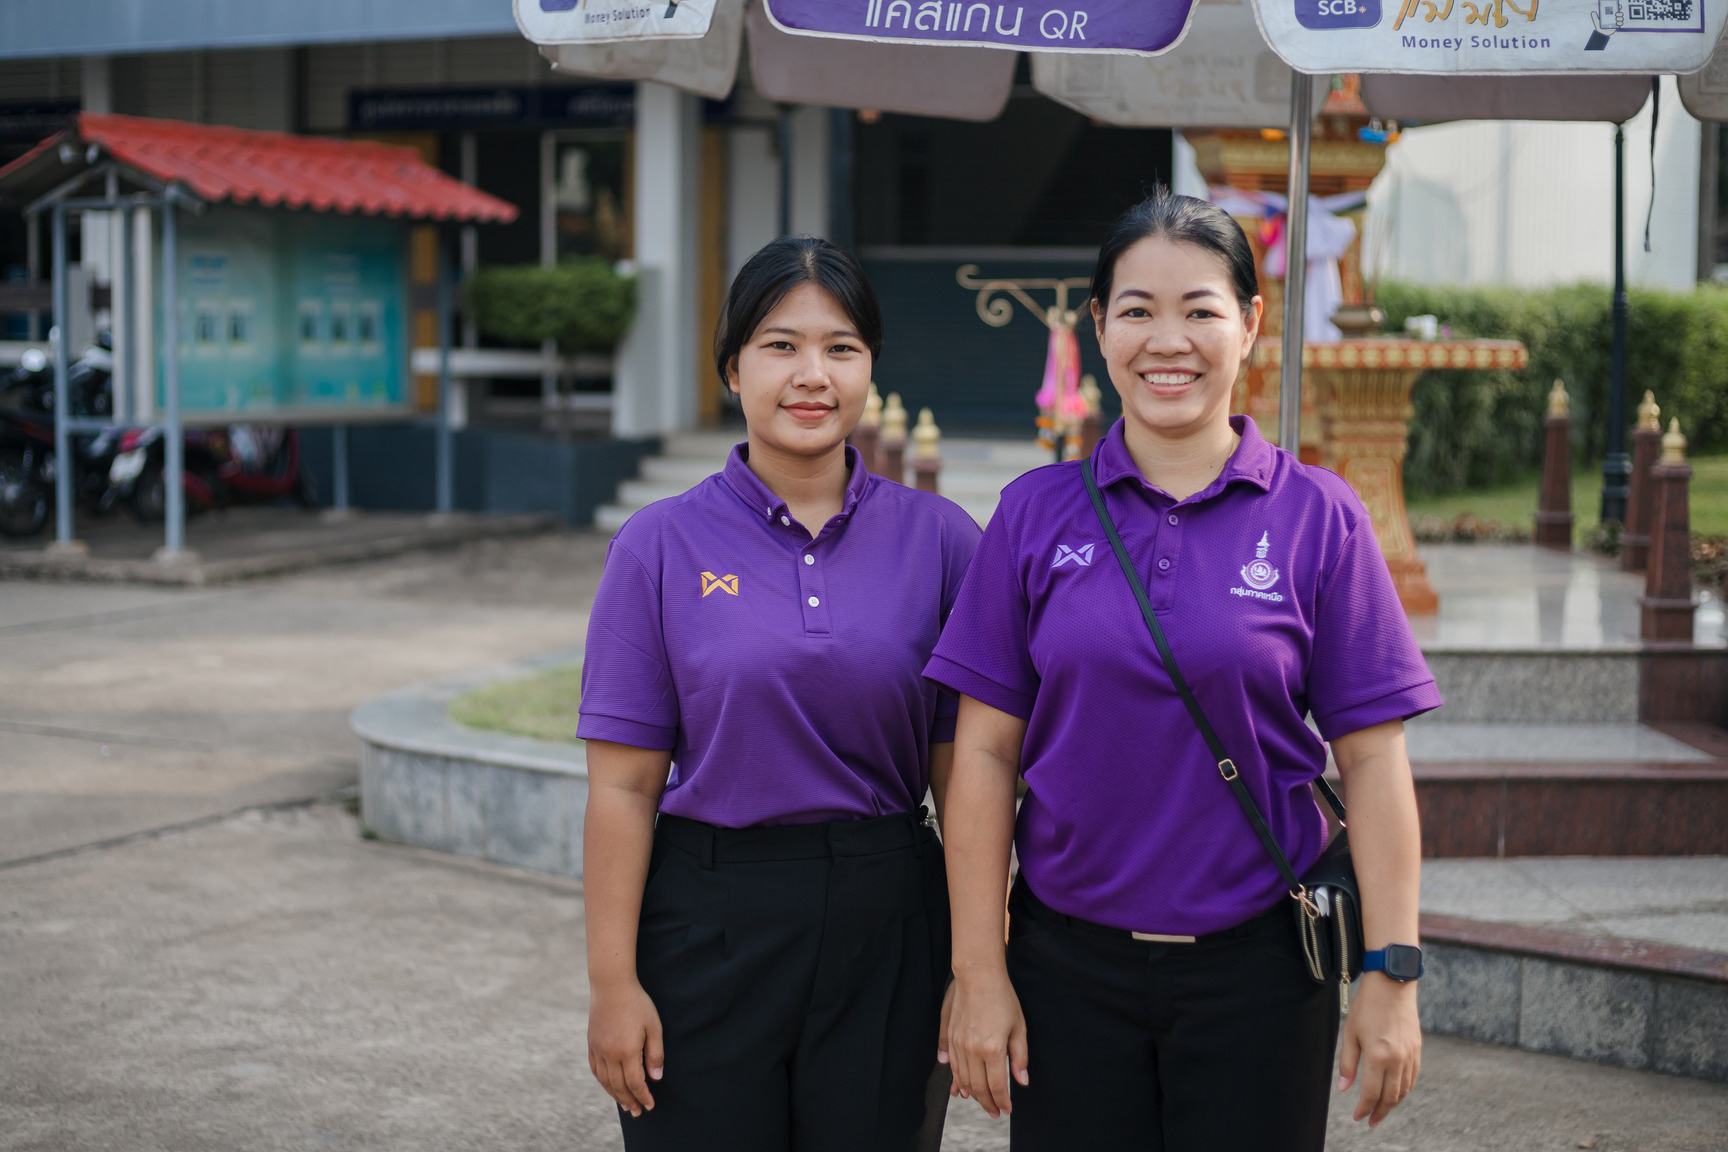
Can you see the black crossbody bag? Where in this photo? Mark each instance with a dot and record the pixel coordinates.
(1328, 911)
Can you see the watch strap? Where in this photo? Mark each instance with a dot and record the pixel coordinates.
(1375, 961)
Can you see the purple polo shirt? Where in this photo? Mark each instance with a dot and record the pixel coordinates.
(783, 673)
(1275, 600)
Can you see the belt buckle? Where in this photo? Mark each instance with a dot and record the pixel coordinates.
(1160, 938)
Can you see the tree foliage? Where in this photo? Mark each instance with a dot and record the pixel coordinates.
(1473, 429)
(585, 304)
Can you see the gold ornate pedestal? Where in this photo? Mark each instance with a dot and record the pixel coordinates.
(1361, 391)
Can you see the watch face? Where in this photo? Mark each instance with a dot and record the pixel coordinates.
(1403, 961)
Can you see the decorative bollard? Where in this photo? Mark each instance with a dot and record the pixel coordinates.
(891, 453)
(1641, 501)
(1667, 600)
(926, 452)
(1092, 426)
(867, 436)
(1554, 508)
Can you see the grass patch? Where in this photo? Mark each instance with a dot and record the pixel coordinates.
(542, 706)
(1508, 511)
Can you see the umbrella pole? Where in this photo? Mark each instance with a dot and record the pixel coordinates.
(1295, 263)
(1616, 466)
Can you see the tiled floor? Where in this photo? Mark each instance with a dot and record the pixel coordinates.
(1520, 597)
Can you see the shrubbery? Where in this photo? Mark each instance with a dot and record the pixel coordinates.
(1472, 429)
(584, 304)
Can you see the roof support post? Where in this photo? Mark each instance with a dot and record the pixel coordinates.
(124, 311)
(173, 548)
(446, 447)
(63, 539)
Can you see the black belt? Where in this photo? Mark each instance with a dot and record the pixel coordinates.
(1040, 911)
(717, 845)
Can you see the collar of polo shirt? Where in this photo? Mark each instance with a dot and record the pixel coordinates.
(756, 494)
(1251, 462)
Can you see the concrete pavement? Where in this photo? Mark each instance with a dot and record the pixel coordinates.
(199, 951)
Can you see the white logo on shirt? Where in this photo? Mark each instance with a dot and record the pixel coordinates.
(1080, 557)
(1260, 574)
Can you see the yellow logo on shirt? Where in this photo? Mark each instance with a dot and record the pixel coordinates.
(712, 583)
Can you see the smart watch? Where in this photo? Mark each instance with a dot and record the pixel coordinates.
(1402, 962)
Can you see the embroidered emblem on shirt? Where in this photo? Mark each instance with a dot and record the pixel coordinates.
(712, 583)
(1080, 557)
(1260, 574)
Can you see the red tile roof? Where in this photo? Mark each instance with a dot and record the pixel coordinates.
(276, 170)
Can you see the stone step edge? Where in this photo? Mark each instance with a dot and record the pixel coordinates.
(1598, 950)
(1607, 999)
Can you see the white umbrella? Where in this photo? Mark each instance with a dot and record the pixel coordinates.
(1222, 76)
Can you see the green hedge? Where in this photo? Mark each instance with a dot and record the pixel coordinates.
(1473, 429)
(584, 304)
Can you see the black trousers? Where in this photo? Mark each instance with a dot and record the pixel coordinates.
(798, 973)
(1222, 1045)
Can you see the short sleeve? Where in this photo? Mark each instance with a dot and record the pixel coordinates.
(984, 651)
(1367, 668)
(627, 690)
(959, 545)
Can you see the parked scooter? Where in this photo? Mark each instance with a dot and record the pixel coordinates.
(239, 464)
(27, 463)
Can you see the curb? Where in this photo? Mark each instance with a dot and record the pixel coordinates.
(429, 782)
(1608, 999)
(431, 532)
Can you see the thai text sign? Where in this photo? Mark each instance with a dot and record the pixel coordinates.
(1487, 36)
(1146, 27)
(599, 21)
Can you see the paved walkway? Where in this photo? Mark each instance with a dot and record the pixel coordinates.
(196, 953)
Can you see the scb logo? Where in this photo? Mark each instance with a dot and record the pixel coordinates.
(1338, 13)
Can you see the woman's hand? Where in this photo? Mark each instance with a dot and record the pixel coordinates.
(1382, 1046)
(625, 1048)
(1382, 1042)
(984, 1039)
(624, 1037)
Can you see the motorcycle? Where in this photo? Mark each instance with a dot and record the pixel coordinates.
(27, 461)
(239, 464)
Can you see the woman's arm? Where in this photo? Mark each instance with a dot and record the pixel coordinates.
(941, 771)
(984, 1032)
(624, 1038)
(1382, 1035)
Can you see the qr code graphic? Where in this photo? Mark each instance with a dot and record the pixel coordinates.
(1661, 13)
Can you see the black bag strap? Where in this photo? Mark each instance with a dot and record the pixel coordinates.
(1226, 767)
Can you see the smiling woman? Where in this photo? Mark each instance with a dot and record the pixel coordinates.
(1152, 979)
(760, 738)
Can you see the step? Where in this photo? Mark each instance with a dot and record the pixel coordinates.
(1538, 686)
(1622, 962)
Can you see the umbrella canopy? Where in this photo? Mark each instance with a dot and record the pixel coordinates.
(1454, 37)
(1705, 92)
(894, 57)
(1432, 99)
(1222, 76)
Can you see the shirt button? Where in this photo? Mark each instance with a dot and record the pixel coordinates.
(786, 520)
(1164, 565)
(813, 602)
(809, 559)
(1173, 519)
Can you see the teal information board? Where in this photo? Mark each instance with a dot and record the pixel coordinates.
(290, 317)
